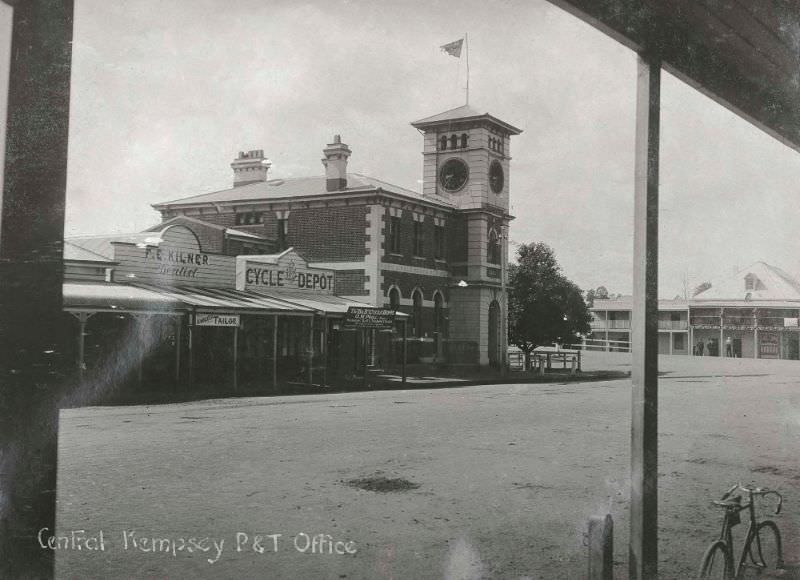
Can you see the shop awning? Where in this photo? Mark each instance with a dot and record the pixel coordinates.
(228, 300)
(113, 297)
(326, 303)
(108, 297)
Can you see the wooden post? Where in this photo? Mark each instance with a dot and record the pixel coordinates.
(311, 350)
(140, 321)
(191, 349)
(643, 547)
(33, 330)
(365, 354)
(83, 318)
(601, 548)
(405, 348)
(275, 353)
(324, 350)
(235, 358)
(178, 338)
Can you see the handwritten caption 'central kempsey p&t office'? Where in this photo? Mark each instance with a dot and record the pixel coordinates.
(212, 547)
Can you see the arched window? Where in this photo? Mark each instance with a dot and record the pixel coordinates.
(443, 142)
(417, 301)
(493, 248)
(394, 299)
(453, 141)
(463, 140)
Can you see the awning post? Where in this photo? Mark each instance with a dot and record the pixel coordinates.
(405, 348)
(311, 350)
(643, 548)
(275, 353)
(191, 349)
(178, 338)
(235, 358)
(324, 350)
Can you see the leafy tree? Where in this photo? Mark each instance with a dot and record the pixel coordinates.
(544, 306)
(601, 293)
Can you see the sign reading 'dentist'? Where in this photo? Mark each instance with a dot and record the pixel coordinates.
(285, 271)
(172, 257)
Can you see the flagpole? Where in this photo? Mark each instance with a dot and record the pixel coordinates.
(466, 41)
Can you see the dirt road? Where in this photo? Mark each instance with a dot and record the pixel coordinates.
(475, 482)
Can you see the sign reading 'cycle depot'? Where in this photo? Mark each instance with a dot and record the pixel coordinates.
(286, 271)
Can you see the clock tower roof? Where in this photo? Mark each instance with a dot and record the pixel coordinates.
(462, 114)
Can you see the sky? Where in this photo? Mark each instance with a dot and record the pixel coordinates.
(164, 94)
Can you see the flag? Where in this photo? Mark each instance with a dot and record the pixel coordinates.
(453, 48)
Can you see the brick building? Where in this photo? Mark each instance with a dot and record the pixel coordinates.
(439, 256)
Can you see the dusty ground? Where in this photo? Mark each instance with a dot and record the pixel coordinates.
(494, 481)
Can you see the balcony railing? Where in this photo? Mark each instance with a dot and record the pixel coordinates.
(705, 321)
(673, 325)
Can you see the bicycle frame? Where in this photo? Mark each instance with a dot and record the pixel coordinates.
(726, 535)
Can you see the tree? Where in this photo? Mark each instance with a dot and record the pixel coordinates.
(544, 306)
(601, 293)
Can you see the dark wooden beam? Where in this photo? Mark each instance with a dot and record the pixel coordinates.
(33, 331)
(740, 56)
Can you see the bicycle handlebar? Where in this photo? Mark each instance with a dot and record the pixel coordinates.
(762, 491)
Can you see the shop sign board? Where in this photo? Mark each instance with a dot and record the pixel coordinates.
(212, 319)
(367, 317)
(282, 272)
(790, 322)
(172, 258)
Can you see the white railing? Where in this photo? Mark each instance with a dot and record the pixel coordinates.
(599, 344)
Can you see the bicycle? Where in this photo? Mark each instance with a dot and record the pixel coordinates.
(762, 544)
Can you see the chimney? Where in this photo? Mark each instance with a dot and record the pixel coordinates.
(335, 163)
(250, 167)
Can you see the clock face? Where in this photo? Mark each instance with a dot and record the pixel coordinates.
(496, 176)
(453, 174)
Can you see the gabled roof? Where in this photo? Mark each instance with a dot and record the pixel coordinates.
(463, 113)
(775, 284)
(296, 187)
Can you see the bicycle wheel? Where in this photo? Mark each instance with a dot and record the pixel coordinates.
(717, 562)
(765, 548)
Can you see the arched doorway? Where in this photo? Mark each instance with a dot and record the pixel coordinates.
(494, 334)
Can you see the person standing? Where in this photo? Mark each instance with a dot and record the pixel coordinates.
(700, 348)
(729, 347)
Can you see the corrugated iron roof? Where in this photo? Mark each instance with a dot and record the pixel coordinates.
(101, 245)
(76, 253)
(775, 284)
(225, 299)
(94, 296)
(274, 189)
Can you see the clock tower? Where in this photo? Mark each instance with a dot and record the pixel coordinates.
(466, 162)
